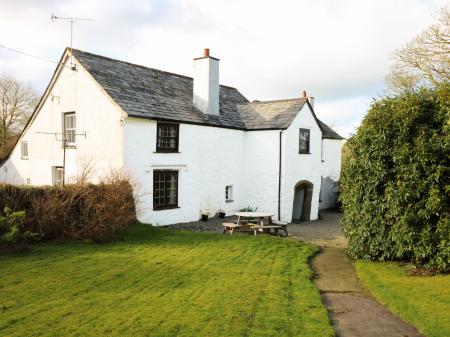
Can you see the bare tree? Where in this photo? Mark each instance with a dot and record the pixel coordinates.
(426, 59)
(17, 101)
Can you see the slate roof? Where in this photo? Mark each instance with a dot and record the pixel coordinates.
(150, 93)
(270, 114)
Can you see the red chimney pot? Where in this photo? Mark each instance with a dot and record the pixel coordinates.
(305, 94)
(206, 52)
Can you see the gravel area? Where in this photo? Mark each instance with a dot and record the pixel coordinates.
(325, 232)
(212, 225)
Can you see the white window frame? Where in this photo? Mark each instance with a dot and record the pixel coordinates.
(229, 193)
(23, 149)
(58, 180)
(72, 129)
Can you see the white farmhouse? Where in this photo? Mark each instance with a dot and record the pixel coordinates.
(190, 144)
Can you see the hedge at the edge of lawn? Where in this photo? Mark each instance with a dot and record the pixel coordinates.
(75, 211)
(395, 181)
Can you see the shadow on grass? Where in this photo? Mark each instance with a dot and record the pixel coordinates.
(139, 235)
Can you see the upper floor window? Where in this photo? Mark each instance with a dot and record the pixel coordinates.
(69, 126)
(304, 141)
(165, 189)
(229, 193)
(24, 150)
(167, 137)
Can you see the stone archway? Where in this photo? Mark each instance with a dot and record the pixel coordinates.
(301, 210)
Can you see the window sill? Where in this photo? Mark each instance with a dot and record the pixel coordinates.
(166, 152)
(229, 200)
(24, 158)
(70, 147)
(304, 153)
(165, 208)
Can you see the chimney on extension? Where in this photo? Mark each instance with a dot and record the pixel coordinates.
(206, 83)
(310, 99)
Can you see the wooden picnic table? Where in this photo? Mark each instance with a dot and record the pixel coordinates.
(254, 221)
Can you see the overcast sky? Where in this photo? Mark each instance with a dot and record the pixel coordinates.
(339, 51)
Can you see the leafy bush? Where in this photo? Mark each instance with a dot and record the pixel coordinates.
(395, 182)
(11, 229)
(76, 211)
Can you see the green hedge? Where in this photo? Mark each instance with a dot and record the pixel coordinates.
(77, 211)
(395, 182)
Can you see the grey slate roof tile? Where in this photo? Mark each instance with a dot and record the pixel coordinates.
(150, 93)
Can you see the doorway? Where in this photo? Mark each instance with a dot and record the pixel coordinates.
(301, 210)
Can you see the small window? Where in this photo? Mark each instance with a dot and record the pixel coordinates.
(304, 141)
(229, 193)
(58, 175)
(24, 150)
(69, 126)
(165, 189)
(167, 137)
(28, 181)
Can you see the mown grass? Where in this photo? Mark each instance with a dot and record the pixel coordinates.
(424, 301)
(159, 282)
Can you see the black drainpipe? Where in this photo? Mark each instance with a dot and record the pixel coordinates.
(279, 180)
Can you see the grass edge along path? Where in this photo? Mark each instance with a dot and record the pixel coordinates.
(163, 282)
(423, 301)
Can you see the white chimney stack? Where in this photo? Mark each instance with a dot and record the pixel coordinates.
(206, 84)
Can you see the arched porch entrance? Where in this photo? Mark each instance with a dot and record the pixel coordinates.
(301, 209)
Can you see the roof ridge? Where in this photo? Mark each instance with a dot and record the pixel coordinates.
(141, 66)
(277, 100)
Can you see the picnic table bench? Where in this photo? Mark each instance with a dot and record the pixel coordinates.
(254, 221)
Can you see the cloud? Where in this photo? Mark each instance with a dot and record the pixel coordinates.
(339, 51)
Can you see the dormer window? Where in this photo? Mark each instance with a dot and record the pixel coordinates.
(167, 137)
(304, 141)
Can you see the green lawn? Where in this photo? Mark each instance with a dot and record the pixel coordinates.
(423, 301)
(159, 282)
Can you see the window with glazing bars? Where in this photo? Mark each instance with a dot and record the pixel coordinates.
(70, 125)
(24, 149)
(304, 141)
(165, 189)
(167, 137)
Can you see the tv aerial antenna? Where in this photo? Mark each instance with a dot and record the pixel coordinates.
(72, 20)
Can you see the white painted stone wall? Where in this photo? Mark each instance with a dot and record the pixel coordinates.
(96, 115)
(298, 167)
(209, 159)
(331, 171)
(261, 170)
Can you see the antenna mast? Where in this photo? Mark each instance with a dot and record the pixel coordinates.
(72, 21)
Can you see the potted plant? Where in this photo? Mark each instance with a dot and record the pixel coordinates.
(221, 213)
(204, 216)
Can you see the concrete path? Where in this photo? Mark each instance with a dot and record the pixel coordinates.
(353, 312)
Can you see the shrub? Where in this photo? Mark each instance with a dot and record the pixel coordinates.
(12, 231)
(76, 211)
(395, 180)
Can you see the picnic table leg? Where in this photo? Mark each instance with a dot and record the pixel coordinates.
(255, 231)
